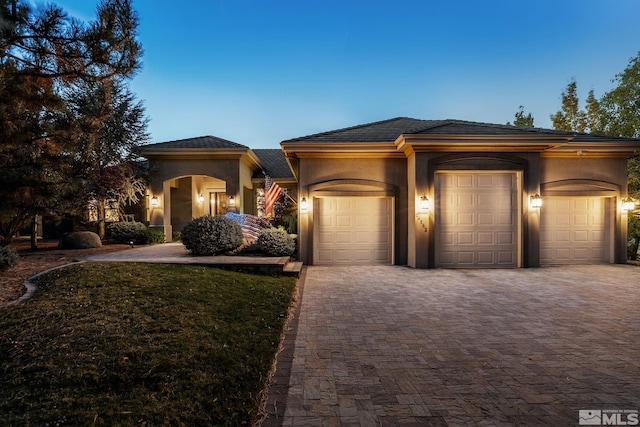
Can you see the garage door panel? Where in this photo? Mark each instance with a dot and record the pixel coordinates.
(465, 257)
(573, 230)
(480, 228)
(506, 238)
(506, 258)
(485, 238)
(341, 237)
(467, 219)
(485, 258)
(353, 230)
(465, 238)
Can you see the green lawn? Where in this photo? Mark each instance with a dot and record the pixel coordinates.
(141, 344)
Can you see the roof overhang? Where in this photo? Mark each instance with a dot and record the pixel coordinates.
(243, 154)
(595, 149)
(479, 143)
(338, 149)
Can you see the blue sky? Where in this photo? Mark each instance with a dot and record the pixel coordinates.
(258, 72)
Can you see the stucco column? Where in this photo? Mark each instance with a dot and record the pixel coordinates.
(531, 217)
(419, 218)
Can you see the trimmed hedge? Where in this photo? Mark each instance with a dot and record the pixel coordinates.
(151, 236)
(126, 231)
(277, 242)
(8, 258)
(211, 235)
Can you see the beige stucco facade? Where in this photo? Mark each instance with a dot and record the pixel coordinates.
(185, 181)
(407, 170)
(446, 194)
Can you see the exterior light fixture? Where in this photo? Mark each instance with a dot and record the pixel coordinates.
(303, 204)
(232, 201)
(424, 203)
(628, 204)
(155, 201)
(200, 198)
(535, 201)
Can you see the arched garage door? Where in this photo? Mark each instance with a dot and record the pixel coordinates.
(477, 219)
(575, 230)
(353, 230)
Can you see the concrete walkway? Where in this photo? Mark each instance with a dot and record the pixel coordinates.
(176, 253)
(397, 346)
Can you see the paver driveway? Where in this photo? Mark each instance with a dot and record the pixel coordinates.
(398, 346)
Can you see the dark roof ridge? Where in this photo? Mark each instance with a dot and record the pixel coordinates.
(315, 135)
(209, 138)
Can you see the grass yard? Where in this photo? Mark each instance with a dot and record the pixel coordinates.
(141, 344)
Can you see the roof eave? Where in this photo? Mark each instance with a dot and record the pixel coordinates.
(194, 152)
(488, 143)
(297, 149)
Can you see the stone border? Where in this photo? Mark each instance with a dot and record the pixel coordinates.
(277, 388)
(31, 287)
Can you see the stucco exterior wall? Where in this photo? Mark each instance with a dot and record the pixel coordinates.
(610, 169)
(164, 170)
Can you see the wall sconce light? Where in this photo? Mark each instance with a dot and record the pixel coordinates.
(535, 201)
(628, 204)
(232, 201)
(200, 198)
(424, 203)
(303, 204)
(155, 201)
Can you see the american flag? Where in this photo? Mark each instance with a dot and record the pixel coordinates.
(272, 192)
(252, 225)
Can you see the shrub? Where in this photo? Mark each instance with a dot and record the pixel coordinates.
(8, 258)
(126, 231)
(276, 242)
(81, 240)
(150, 236)
(211, 235)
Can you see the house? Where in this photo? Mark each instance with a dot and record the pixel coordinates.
(208, 176)
(422, 193)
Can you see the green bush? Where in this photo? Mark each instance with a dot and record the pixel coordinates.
(277, 242)
(150, 236)
(126, 231)
(8, 258)
(211, 235)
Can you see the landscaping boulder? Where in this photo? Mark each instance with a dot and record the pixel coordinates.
(81, 240)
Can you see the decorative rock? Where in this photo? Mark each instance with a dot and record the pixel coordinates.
(81, 240)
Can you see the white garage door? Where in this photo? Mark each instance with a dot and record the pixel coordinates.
(353, 230)
(573, 230)
(476, 219)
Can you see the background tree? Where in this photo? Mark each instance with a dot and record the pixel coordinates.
(570, 117)
(109, 125)
(522, 120)
(43, 55)
(617, 113)
(620, 109)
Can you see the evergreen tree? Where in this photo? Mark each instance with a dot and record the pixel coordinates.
(44, 56)
(522, 120)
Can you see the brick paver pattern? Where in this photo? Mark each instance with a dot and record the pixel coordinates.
(390, 346)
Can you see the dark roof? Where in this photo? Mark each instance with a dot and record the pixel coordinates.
(383, 131)
(390, 130)
(273, 162)
(199, 142)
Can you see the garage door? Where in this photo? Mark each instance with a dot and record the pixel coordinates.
(573, 230)
(353, 230)
(476, 219)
